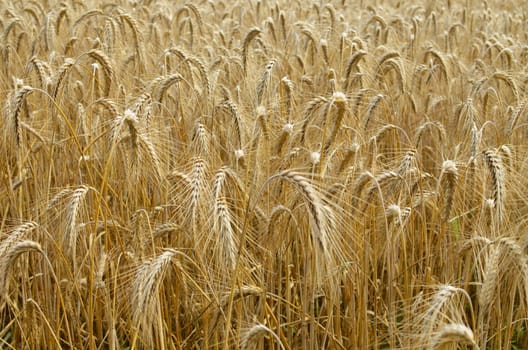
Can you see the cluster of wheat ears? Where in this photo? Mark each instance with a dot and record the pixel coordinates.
(263, 174)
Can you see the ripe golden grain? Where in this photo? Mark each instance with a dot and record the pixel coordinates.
(263, 174)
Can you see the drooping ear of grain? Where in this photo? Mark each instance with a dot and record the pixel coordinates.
(498, 182)
(251, 337)
(321, 219)
(371, 108)
(71, 232)
(224, 239)
(447, 185)
(340, 101)
(8, 256)
(453, 333)
(264, 80)
(60, 76)
(145, 292)
(286, 93)
(252, 34)
(313, 106)
(104, 61)
(514, 117)
(13, 110)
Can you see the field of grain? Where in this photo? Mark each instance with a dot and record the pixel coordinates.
(263, 174)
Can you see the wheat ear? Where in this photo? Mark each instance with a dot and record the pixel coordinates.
(252, 34)
(340, 101)
(371, 108)
(60, 76)
(514, 117)
(104, 61)
(8, 257)
(352, 65)
(314, 105)
(453, 333)
(251, 338)
(43, 71)
(224, 230)
(321, 221)
(70, 234)
(447, 184)
(498, 184)
(146, 288)
(264, 79)
(13, 113)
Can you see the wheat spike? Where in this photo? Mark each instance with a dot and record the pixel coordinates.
(104, 61)
(252, 34)
(8, 257)
(321, 217)
(251, 338)
(263, 82)
(71, 232)
(224, 230)
(498, 182)
(340, 101)
(514, 117)
(352, 65)
(453, 333)
(447, 186)
(310, 110)
(146, 288)
(60, 76)
(13, 110)
(371, 108)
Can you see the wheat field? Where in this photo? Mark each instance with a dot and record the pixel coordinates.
(263, 174)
